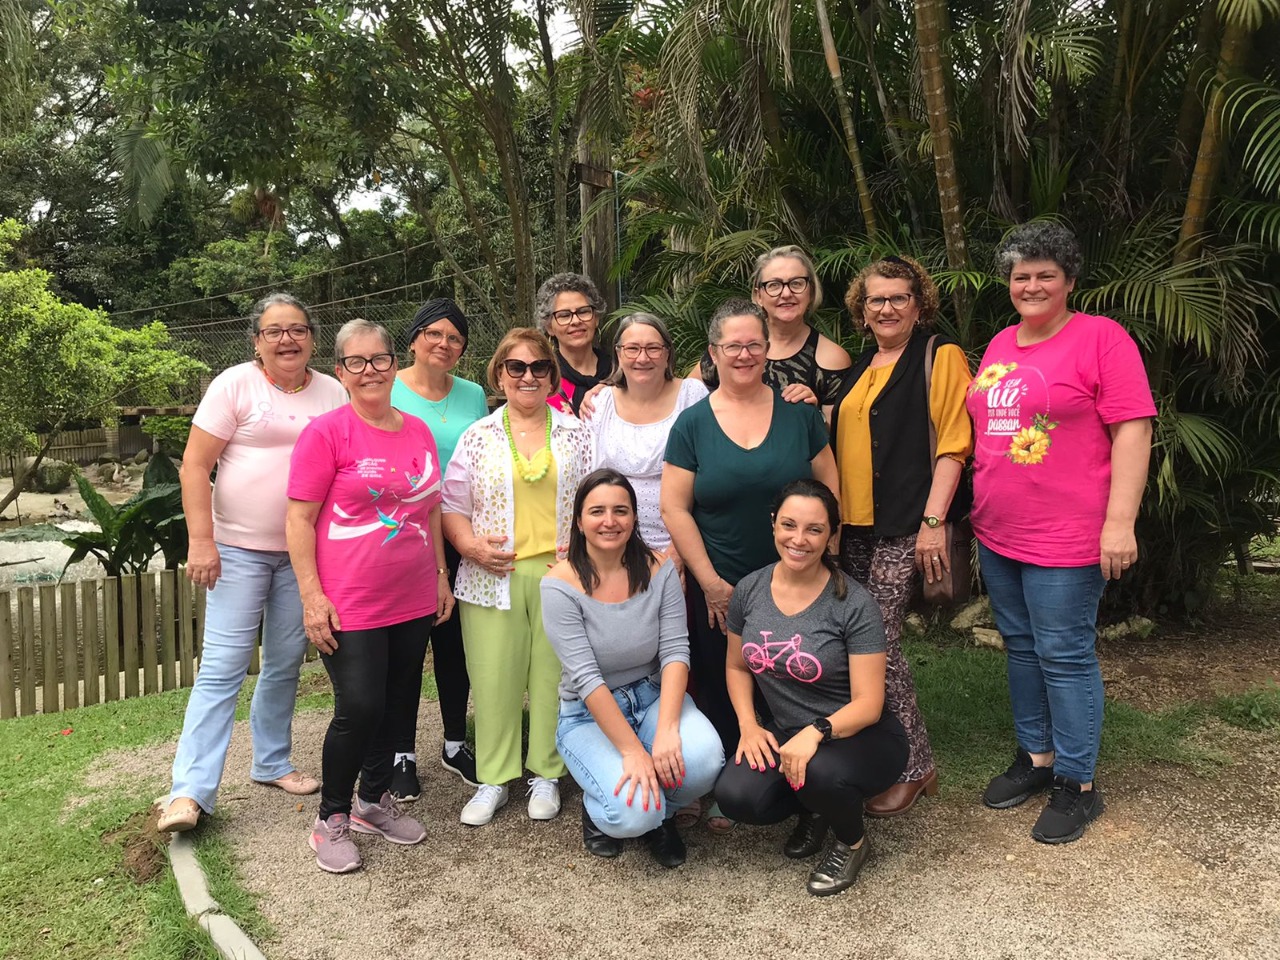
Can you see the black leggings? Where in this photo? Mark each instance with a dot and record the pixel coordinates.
(377, 680)
(452, 683)
(840, 776)
(707, 650)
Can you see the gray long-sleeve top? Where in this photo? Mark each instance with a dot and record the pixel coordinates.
(613, 644)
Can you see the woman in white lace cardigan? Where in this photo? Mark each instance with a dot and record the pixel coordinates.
(508, 503)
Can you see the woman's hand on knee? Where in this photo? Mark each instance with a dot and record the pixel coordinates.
(639, 773)
(668, 759)
(758, 747)
(795, 755)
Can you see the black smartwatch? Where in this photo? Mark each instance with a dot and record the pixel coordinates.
(823, 726)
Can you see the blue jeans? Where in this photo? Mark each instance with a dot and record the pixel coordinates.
(255, 586)
(596, 764)
(1048, 618)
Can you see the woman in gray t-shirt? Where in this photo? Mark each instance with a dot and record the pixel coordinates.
(628, 732)
(813, 640)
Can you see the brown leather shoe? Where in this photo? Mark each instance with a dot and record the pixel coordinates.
(899, 798)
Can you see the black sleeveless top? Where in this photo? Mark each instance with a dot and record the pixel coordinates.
(800, 367)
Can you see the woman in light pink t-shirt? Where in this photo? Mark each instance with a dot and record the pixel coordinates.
(364, 535)
(1062, 421)
(246, 425)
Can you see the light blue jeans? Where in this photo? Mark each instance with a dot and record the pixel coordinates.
(596, 764)
(255, 586)
(1048, 618)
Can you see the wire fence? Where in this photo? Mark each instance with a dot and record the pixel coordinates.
(224, 342)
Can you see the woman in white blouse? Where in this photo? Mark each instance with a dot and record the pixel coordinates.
(634, 414)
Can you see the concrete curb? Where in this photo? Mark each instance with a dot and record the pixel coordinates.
(232, 942)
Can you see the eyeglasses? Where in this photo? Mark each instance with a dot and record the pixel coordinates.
(754, 349)
(381, 362)
(897, 301)
(632, 351)
(541, 369)
(566, 317)
(774, 287)
(435, 336)
(273, 334)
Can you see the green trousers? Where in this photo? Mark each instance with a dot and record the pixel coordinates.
(508, 654)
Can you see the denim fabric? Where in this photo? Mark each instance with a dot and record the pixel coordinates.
(596, 764)
(1048, 619)
(255, 586)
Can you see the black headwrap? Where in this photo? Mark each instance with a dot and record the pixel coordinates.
(441, 308)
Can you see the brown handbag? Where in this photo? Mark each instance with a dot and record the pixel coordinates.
(956, 584)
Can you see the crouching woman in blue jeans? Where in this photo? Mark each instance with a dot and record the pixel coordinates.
(629, 734)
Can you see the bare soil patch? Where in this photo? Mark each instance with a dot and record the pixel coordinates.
(142, 846)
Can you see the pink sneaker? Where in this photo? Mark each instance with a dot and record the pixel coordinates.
(387, 820)
(331, 840)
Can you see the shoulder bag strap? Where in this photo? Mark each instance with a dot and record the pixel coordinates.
(928, 387)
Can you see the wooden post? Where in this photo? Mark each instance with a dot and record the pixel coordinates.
(111, 637)
(599, 230)
(186, 639)
(149, 632)
(8, 698)
(27, 659)
(70, 656)
(89, 615)
(129, 633)
(49, 645)
(168, 630)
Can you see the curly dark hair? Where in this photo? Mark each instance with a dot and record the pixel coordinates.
(1040, 240)
(895, 268)
(556, 284)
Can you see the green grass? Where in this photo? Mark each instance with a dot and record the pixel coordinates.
(1253, 710)
(963, 694)
(64, 891)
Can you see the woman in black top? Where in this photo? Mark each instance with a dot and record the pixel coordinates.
(569, 308)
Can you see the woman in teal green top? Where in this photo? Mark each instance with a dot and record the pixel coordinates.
(448, 405)
(727, 457)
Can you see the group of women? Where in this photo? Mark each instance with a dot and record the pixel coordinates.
(699, 596)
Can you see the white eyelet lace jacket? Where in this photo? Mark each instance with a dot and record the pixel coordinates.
(478, 485)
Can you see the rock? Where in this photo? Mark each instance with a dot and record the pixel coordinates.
(142, 456)
(1136, 627)
(134, 470)
(914, 624)
(975, 613)
(984, 637)
(52, 476)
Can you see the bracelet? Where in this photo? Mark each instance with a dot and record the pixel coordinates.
(442, 571)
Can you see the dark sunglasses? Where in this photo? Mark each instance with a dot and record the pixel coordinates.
(541, 369)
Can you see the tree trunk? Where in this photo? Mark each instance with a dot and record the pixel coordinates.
(1191, 114)
(930, 18)
(771, 126)
(21, 481)
(846, 121)
(559, 182)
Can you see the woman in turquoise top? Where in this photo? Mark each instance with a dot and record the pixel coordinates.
(428, 390)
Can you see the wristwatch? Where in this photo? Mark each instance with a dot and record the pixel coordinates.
(932, 522)
(823, 726)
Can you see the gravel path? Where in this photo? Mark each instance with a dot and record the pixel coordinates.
(1178, 867)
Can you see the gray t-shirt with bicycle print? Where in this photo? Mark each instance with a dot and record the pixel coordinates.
(801, 662)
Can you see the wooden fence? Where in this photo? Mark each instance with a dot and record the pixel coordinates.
(67, 644)
(86, 446)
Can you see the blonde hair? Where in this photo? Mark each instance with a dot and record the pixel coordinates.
(791, 251)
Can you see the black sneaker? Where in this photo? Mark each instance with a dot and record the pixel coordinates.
(666, 845)
(463, 763)
(807, 838)
(1018, 783)
(404, 780)
(1068, 812)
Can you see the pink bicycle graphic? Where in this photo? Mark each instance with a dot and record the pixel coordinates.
(760, 657)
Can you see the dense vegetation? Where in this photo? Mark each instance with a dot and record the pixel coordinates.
(175, 150)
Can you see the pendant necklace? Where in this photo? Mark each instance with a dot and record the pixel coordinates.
(535, 468)
(441, 411)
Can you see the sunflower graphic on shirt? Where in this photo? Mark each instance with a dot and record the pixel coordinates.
(992, 375)
(1030, 444)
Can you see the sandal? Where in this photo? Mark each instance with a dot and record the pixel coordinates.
(689, 816)
(717, 822)
(183, 814)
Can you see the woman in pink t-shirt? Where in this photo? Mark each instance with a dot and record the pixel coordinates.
(363, 528)
(246, 426)
(1062, 418)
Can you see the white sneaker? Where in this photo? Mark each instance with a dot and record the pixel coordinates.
(481, 808)
(544, 798)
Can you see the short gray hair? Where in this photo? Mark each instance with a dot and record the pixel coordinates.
(277, 300)
(791, 252)
(618, 378)
(736, 307)
(1040, 240)
(556, 284)
(356, 327)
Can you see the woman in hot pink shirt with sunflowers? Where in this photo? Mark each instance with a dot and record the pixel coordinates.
(1062, 420)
